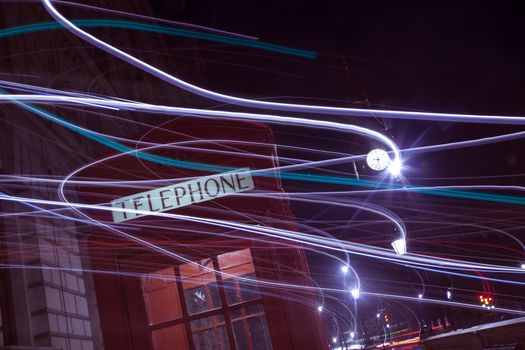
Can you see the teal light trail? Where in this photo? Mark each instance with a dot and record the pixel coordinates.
(339, 180)
(105, 23)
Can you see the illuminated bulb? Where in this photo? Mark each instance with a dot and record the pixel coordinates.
(523, 266)
(449, 294)
(400, 246)
(344, 268)
(387, 325)
(352, 334)
(395, 167)
(319, 308)
(378, 315)
(334, 340)
(420, 296)
(355, 293)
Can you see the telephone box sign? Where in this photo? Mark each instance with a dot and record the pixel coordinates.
(183, 194)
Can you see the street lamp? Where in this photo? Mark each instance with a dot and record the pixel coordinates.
(395, 167)
(449, 294)
(400, 246)
(355, 293)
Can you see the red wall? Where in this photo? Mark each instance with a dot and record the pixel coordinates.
(292, 325)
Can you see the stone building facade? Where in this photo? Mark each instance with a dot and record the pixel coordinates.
(50, 301)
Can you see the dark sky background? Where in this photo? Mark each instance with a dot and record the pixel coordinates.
(463, 57)
(459, 56)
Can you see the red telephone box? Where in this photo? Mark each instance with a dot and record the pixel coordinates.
(150, 300)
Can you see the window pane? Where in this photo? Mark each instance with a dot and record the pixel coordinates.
(161, 296)
(209, 333)
(238, 263)
(250, 328)
(170, 338)
(200, 287)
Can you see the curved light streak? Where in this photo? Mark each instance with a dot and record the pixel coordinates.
(265, 104)
(153, 28)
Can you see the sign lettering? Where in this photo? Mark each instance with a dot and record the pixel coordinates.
(183, 194)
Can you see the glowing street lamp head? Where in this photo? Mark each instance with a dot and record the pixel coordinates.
(400, 246)
(320, 308)
(352, 335)
(355, 293)
(420, 296)
(344, 268)
(379, 160)
(395, 167)
(334, 340)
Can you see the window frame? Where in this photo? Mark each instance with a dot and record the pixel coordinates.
(225, 309)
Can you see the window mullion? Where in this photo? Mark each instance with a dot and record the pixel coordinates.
(184, 308)
(224, 304)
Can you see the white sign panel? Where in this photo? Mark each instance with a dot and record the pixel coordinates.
(183, 194)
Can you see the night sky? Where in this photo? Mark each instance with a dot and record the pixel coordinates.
(464, 57)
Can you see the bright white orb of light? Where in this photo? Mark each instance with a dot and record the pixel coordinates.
(352, 334)
(355, 293)
(449, 294)
(320, 308)
(378, 159)
(420, 296)
(344, 268)
(395, 167)
(334, 340)
(523, 266)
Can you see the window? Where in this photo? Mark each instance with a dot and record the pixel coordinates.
(250, 329)
(160, 296)
(201, 291)
(213, 304)
(237, 268)
(210, 333)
